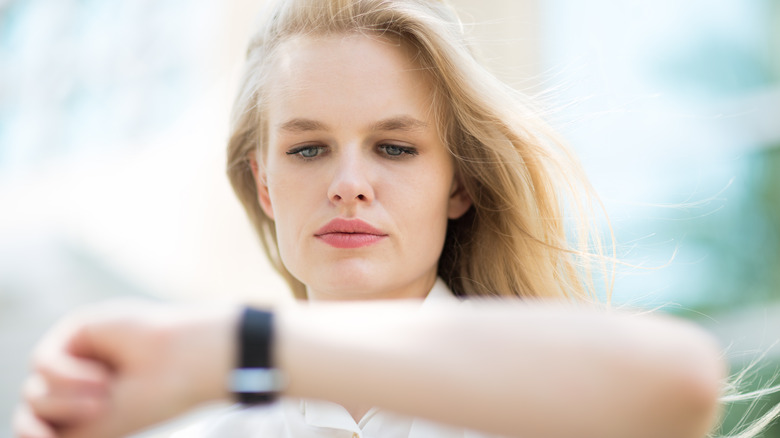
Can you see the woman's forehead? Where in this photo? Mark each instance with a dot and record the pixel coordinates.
(357, 75)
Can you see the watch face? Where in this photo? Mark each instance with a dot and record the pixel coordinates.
(256, 385)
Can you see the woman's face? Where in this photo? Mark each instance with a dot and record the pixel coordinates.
(355, 177)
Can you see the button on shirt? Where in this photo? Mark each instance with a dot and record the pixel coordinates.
(296, 418)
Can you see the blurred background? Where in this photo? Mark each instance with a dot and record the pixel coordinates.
(113, 123)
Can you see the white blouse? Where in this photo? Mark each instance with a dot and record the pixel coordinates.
(296, 418)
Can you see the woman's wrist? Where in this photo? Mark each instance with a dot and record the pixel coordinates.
(208, 343)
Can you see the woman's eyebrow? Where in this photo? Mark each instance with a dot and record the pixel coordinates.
(302, 125)
(399, 123)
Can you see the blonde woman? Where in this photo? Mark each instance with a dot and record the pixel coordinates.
(384, 168)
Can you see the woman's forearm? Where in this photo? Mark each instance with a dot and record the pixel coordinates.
(516, 369)
(505, 367)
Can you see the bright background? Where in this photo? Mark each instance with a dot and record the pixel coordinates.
(113, 121)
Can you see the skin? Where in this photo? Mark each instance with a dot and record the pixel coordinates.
(504, 367)
(352, 136)
(333, 153)
(94, 372)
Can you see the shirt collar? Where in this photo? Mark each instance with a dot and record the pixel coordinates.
(321, 413)
(439, 294)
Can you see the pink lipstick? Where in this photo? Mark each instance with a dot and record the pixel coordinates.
(349, 233)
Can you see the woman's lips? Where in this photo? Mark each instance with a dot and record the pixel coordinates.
(350, 240)
(349, 233)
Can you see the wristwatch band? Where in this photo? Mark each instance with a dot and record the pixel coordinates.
(255, 380)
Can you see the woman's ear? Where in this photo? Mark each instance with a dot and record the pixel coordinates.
(459, 202)
(260, 183)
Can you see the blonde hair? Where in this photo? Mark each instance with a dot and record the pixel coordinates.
(513, 241)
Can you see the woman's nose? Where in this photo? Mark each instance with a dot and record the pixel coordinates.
(351, 182)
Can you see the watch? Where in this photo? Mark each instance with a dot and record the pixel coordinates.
(255, 380)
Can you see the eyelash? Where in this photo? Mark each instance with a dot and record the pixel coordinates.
(404, 150)
(301, 149)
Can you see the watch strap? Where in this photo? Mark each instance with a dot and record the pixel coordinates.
(255, 380)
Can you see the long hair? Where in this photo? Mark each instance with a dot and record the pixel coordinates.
(515, 240)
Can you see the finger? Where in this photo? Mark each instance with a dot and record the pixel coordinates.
(98, 334)
(73, 375)
(61, 408)
(27, 425)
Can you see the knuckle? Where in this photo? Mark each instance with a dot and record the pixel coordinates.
(26, 425)
(33, 389)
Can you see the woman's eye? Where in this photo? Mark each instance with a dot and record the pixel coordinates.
(306, 151)
(397, 151)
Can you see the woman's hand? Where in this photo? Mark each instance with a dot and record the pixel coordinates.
(119, 367)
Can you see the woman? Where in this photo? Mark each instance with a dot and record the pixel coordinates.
(379, 161)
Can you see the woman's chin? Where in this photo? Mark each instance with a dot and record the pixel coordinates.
(356, 285)
(346, 289)
(345, 279)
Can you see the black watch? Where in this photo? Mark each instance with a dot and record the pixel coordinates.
(255, 380)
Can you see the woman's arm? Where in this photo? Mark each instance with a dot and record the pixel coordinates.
(516, 369)
(510, 368)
